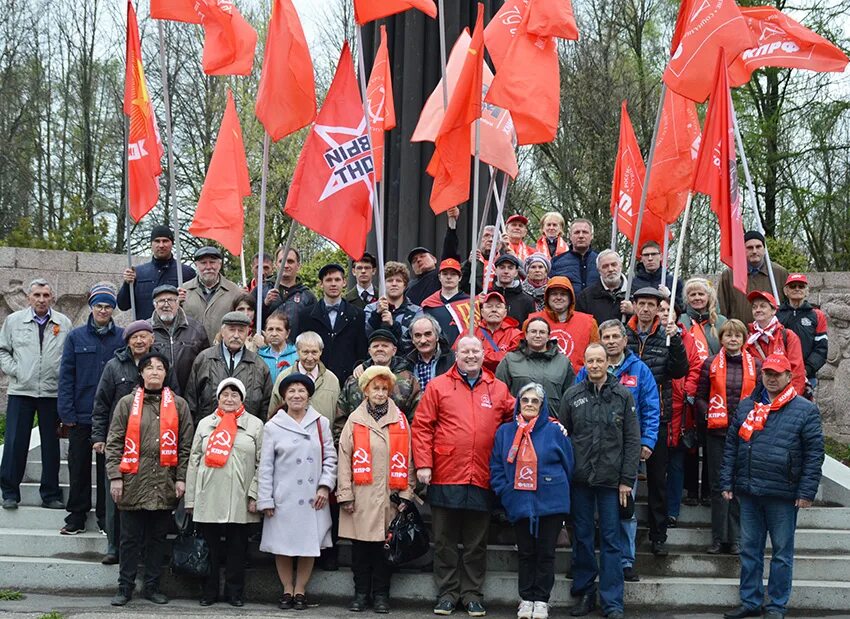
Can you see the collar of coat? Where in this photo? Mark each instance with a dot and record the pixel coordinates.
(248, 356)
(486, 376)
(361, 415)
(286, 422)
(223, 284)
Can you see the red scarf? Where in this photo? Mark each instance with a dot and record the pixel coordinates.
(521, 250)
(560, 248)
(700, 341)
(522, 450)
(757, 418)
(361, 458)
(718, 414)
(168, 428)
(221, 441)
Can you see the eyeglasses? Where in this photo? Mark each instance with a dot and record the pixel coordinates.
(102, 307)
(529, 400)
(168, 301)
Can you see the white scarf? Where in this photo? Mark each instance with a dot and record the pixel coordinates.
(765, 333)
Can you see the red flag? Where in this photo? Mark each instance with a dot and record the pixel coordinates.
(379, 98)
(370, 10)
(675, 151)
(502, 29)
(331, 190)
(783, 42)
(553, 18)
(229, 40)
(286, 97)
(143, 146)
(450, 164)
(498, 139)
(717, 175)
(527, 84)
(175, 10)
(629, 172)
(220, 214)
(702, 28)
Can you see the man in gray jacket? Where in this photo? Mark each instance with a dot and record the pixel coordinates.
(31, 343)
(210, 295)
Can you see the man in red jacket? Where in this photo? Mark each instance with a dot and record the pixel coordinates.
(497, 331)
(453, 433)
(769, 337)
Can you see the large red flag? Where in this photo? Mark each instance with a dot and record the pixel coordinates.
(783, 42)
(144, 148)
(331, 190)
(220, 214)
(553, 18)
(527, 84)
(702, 28)
(498, 140)
(450, 164)
(175, 10)
(626, 189)
(229, 40)
(675, 151)
(502, 29)
(370, 10)
(717, 175)
(286, 97)
(379, 98)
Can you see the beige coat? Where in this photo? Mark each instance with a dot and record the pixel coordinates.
(209, 313)
(152, 487)
(373, 510)
(323, 400)
(221, 495)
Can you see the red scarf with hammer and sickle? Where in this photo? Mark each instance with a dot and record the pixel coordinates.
(168, 427)
(221, 441)
(522, 451)
(361, 457)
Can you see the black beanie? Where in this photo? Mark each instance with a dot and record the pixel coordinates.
(754, 235)
(162, 231)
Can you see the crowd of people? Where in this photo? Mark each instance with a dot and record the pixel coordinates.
(339, 411)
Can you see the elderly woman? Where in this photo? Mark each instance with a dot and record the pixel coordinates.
(726, 379)
(530, 469)
(537, 268)
(147, 454)
(297, 473)
(374, 463)
(221, 487)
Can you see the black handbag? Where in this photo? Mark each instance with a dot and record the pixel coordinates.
(407, 537)
(190, 554)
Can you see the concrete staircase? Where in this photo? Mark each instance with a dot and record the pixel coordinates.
(34, 557)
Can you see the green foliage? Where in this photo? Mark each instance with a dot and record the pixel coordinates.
(784, 252)
(310, 266)
(839, 451)
(53, 614)
(74, 232)
(10, 595)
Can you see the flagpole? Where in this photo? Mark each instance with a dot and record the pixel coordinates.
(242, 264)
(614, 229)
(476, 173)
(664, 254)
(683, 233)
(261, 248)
(442, 18)
(490, 189)
(500, 206)
(644, 191)
(293, 226)
(131, 285)
(172, 190)
(751, 193)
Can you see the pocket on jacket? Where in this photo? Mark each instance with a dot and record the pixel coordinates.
(444, 450)
(793, 469)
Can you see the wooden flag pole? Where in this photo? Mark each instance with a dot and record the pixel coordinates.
(442, 17)
(683, 234)
(131, 286)
(500, 226)
(664, 252)
(262, 243)
(172, 190)
(751, 194)
(476, 174)
(644, 191)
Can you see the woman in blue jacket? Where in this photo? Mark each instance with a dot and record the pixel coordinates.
(530, 469)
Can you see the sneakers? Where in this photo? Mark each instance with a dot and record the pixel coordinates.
(630, 575)
(444, 607)
(475, 609)
(72, 529)
(122, 597)
(525, 610)
(541, 610)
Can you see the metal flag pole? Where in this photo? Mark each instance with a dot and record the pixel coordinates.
(442, 17)
(262, 244)
(751, 194)
(664, 252)
(500, 226)
(476, 173)
(172, 190)
(683, 233)
(293, 226)
(645, 190)
(614, 229)
(490, 189)
(242, 265)
(130, 286)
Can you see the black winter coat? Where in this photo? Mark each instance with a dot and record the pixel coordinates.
(345, 343)
(520, 303)
(292, 301)
(809, 323)
(149, 276)
(645, 279)
(665, 363)
(600, 303)
(188, 340)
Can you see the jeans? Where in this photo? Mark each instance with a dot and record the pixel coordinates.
(20, 414)
(585, 501)
(761, 516)
(537, 556)
(371, 573)
(79, 474)
(231, 551)
(675, 481)
(143, 532)
(628, 533)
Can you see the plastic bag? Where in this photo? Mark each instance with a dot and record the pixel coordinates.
(407, 537)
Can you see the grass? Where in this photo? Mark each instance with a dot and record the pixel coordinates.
(10, 595)
(838, 450)
(53, 614)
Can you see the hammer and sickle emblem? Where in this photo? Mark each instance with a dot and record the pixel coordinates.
(360, 457)
(130, 447)
(399, 461)
(223, 439)
(169, 439)
(526, 473)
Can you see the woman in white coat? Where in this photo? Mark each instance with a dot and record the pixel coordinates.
(296, 475)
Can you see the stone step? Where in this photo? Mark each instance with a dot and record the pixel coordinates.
(819, 540)
(33, 471)
(30, 494)
(334, 588)
(90, 545)
(817, 517)
(31, 518)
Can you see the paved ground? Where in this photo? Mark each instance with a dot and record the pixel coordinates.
(92, 607)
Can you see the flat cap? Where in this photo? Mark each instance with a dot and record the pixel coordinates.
(207, 251)
(650, 293)
(236, 318)
(162, 290)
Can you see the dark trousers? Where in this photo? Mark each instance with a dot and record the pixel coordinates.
(143, 532)
(20, 414)
(228, 544)
(725, 515)
(537, 556)
(79, 473)
(459, 575)
(656, 480)
(371, 573)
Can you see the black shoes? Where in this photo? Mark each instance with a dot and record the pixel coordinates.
(236, 601)
(359, 603)
(109, 559)
(299, 601)
(741, 612)
(585, 605)
(54, 504)
(475, 609)
(444, 607)
(157, 597)
(734, 549)
(630, 575)
(615, 614)
(285, 602)
(672, 522)
(122, 597)
(773, 615)
(71, 529)
(10, 504)
(659, 549)
(715, 549)
(381, 604)
(207, 601)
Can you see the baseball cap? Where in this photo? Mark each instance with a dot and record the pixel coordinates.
(777, 363)
(507, 258)
(761, 294)
(492, 295)
(450, 263)
(521, 219)
(416, 251)
(799, 278)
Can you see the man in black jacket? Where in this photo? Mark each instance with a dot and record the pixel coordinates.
(176, 335)
(607, 298)
(291, 296)
(507, 283)
(423, 262)
(600, 416)
(648, 272)
(808, 322)
(648, 340)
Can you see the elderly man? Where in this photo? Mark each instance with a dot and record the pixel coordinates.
(176, 335)
(607, 299)
(31, 343)
(309, 347)
(453, 433)
(768, 336)
(423, 262)
(482, 256)
(86, 352)
(229, 359)
(497, 331)
(579, 263)
(648, 272)
(210, 295)
(772, 463)
(807, 322)
(162, 269)
(516, 227)
(733, 303)
(363, 293)
(519, 303)
(431, 356)
(292, 295)
(395, 311)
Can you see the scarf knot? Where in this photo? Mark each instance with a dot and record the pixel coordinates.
(757, 418)
(221, 441)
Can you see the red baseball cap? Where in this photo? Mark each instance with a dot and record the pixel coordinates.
(450, 263)
(798, 278)
(777, 363)
(521, 219)
(492, 295)
(761, 294)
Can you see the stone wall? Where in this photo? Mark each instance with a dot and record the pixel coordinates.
(72, 273)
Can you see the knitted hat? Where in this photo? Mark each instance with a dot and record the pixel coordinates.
(231, 382)
(102, 292)
(135, 327)
(538, 258)
(373, 372)
(158, 232)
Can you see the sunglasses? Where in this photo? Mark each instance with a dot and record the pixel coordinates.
(529, 400)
